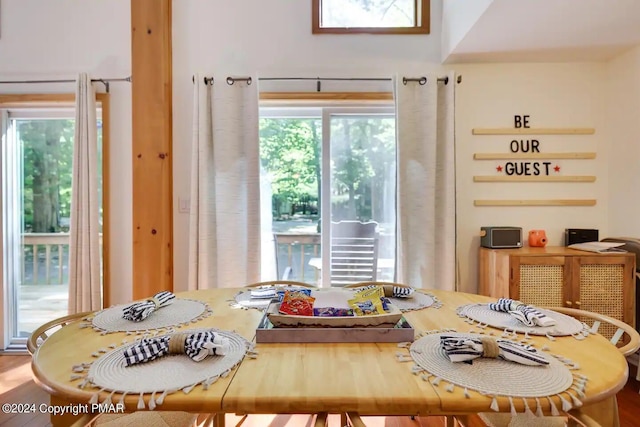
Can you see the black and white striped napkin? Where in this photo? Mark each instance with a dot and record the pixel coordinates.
(402, 292)
(526, 314)
(196, 345)
(263, 292)
(139, 311)
(465, 349)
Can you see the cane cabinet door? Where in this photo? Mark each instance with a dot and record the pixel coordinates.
(540, 280)
(604, 284)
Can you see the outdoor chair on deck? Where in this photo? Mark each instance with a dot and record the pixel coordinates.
(354, 252)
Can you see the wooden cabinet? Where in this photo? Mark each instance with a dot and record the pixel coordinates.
(558, 276)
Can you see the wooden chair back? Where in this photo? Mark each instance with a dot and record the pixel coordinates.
(624, 333)
(370, 283)
(281, 282)
(46, 330)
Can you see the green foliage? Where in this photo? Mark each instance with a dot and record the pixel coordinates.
(363, 148)
(47, 167)
(288, 152)
(363, 157)
(47, 153)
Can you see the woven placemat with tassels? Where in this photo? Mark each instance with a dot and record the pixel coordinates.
(154, 380)
(494, 377)
(481, 316)
(182, 312)
(418, 301)
(405, 298)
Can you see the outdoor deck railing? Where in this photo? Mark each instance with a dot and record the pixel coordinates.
(293, 252)
(54, 262)
(45, 258)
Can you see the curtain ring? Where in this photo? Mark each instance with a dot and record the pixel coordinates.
(231, 80)
(446, 80)
(208, 80)
(421, 81)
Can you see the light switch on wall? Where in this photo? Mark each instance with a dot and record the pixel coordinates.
(184, 205)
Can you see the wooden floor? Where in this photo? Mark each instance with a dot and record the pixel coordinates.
(17, 386)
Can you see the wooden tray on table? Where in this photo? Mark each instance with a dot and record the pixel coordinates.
(388, 319)
(279, 328)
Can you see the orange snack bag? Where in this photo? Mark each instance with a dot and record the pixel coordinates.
(297, 304)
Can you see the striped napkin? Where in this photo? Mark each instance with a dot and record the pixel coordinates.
(269, 291)
(139, 311)
(263, 293)
(465, 349)
(526, 314)
(196, 345)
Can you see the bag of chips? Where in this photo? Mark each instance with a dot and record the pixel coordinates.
(280, 293)
(332, 312)
(297, 303)
(368, 301)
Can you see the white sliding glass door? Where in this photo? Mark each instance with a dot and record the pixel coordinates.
(324, 164)
(360, 156)
(37, 153)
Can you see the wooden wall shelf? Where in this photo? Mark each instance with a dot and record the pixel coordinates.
(557, 202)
(533, 131)
(539, 178)
(520, 156)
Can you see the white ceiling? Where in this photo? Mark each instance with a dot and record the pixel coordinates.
(550, 30)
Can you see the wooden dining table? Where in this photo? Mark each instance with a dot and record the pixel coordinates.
(296, 378)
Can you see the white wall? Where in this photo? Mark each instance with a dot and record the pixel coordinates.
(623, 117)
(554, 95)
(458, 16)
(271, 38)
(43, 39)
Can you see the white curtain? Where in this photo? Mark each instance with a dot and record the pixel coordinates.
(224, 229)
(426, 232)
(84, 246)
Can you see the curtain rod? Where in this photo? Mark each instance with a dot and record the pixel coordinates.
(420, 80)
(105, 82)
